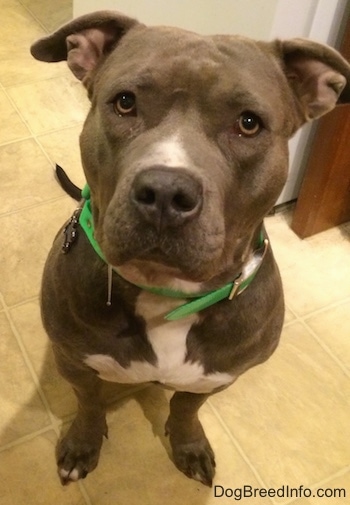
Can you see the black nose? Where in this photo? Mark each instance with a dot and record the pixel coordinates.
(166, 197)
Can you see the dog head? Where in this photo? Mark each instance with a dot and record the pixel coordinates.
(185, 147)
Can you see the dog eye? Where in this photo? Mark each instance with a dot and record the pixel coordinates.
(248, 124)
(125, 104)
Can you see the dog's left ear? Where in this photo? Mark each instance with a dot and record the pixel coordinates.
(318, 75)
(85, 41)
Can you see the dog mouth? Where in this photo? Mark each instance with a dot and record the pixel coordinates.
(191, 252)
(161, 263)
(154, 274)
(157, 255)
(155, 264)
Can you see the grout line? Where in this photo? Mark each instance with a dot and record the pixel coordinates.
(295, 317)
(64, 127)
(327, 307)
(37, 20)
(33, 80)
(326, 349)
(13, 103)
(292, 311)
(47, 156)
(340, 473)
(2, 303)
(54, 423)
(238, 447)
(25, 438)
(31, 133)
(303, 320)
(35, 379)
(19, 139)
(40, 204)
(261, 482)
(316, 312)
(290, 323)
(319, 485)
(83, 491)
(21, 303)
(26, 123)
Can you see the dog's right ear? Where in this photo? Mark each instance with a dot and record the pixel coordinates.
(318, 75)
(84, 41)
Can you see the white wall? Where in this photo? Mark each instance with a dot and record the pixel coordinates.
(252, 18)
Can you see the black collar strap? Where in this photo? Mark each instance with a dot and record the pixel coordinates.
(198, 302)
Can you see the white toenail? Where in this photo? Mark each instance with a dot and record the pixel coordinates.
(74, 475)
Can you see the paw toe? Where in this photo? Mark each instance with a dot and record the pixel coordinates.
(67, 476)
(196, 461)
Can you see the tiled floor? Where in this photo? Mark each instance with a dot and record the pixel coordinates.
(285, 423)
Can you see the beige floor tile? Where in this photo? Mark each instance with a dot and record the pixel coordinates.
(22, 411)
(345, 230)
(28, 475)
(62, 147)
(334, 492)
(310, 291)
(284, 241)
(17, 67)
(11, 125)
(332, 326)
(26, 239)
(17, 25)
(314, 271)
(291, 414)
(289, 316)
(57, 391)
(27, 177)
(52, 104)
(18, 31)
(135, 466)
(50, 18)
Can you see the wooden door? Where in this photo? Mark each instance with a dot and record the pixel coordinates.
(324, 198)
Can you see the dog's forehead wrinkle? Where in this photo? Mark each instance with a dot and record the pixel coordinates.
(161, 66)
(182, 56)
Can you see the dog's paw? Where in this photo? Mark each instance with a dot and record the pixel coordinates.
(196, 460)
(77, 456)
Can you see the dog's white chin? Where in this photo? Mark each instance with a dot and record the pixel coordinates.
(152, 274)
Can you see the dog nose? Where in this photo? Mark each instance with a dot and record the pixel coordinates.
(166, 197)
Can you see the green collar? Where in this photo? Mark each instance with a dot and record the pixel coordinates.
(198, 302)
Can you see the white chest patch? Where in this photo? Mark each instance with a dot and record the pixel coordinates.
(168, 340)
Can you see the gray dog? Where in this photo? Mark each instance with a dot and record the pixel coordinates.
(168, 276)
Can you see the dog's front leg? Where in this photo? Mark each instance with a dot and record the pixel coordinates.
(191, 450)
(78, 451)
